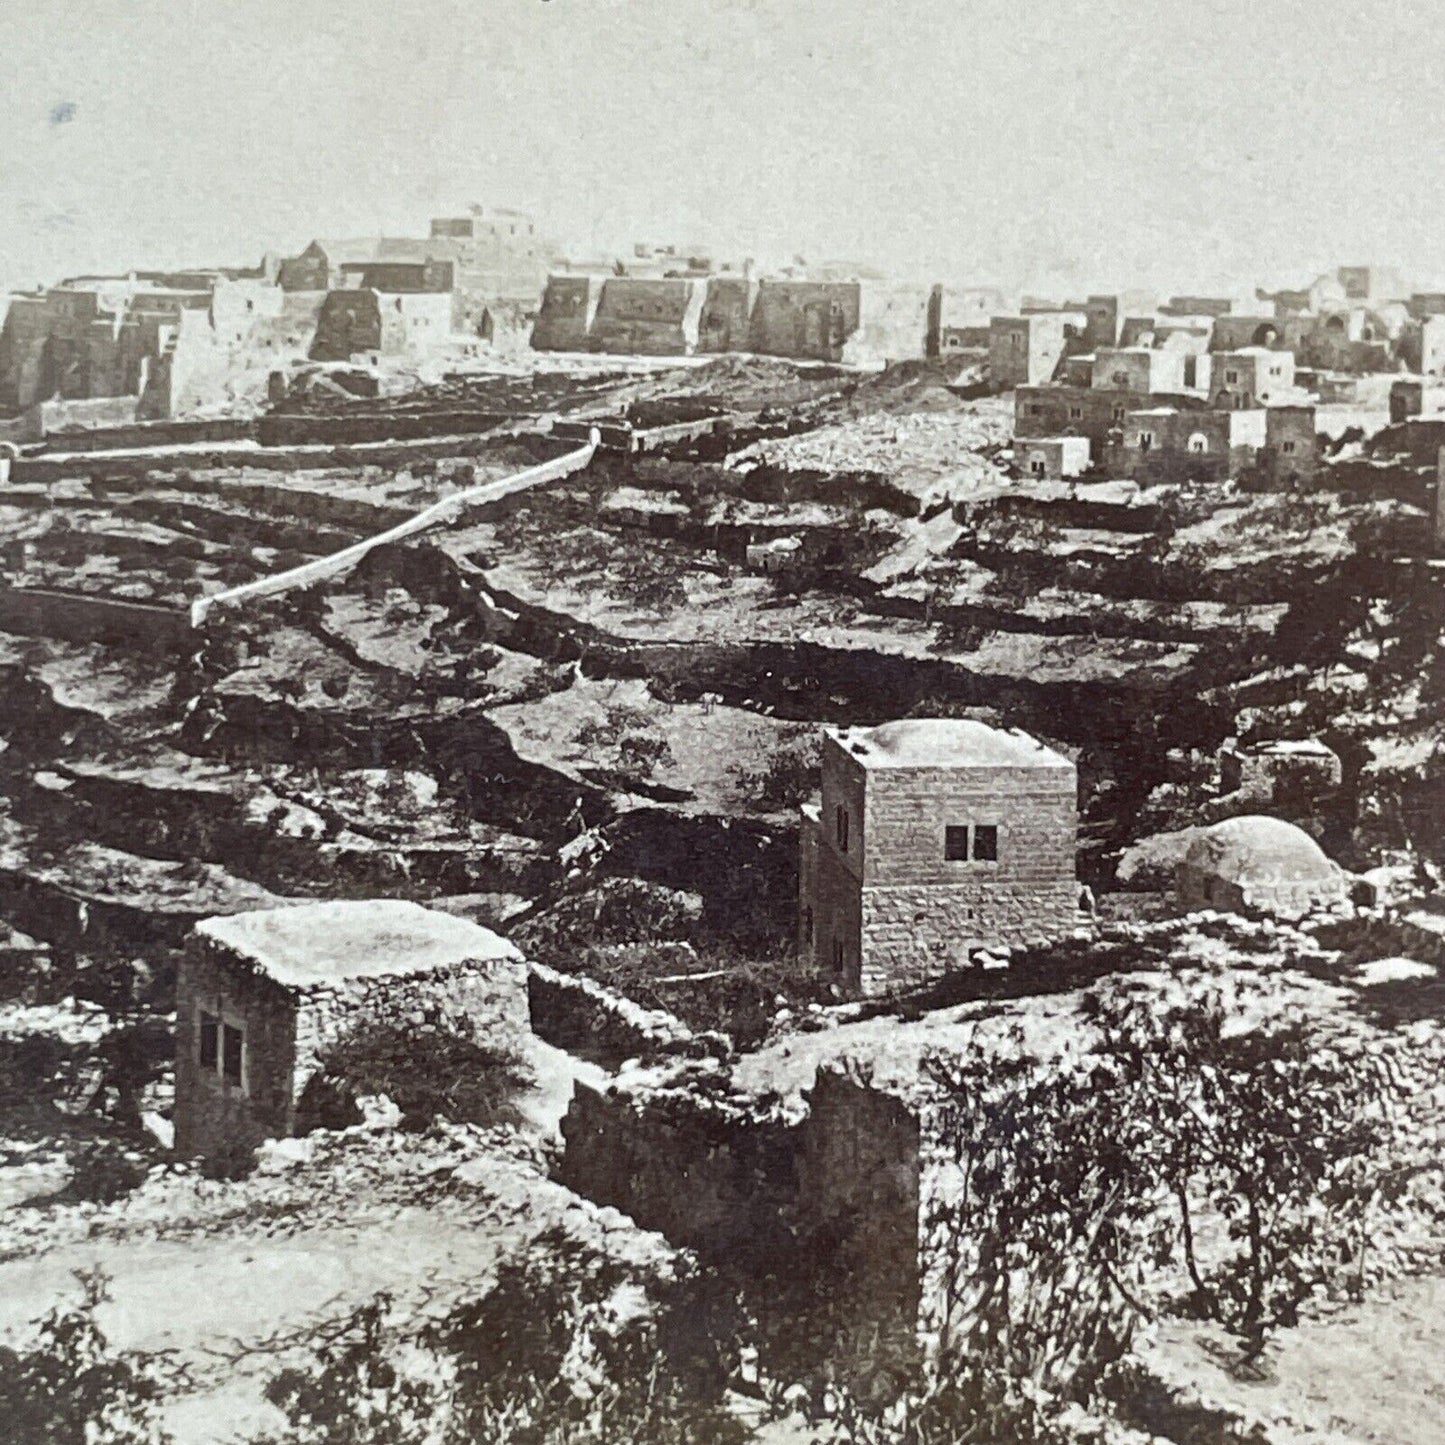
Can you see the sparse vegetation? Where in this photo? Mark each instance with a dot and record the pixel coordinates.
(68, 1386)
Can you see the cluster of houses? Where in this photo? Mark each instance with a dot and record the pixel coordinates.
(146, 345)
(1208, 387)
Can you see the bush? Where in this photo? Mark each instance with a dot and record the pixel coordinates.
(68, 1387)
(425, 1069)
(568, 1347)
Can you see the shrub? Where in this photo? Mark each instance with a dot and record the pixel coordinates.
(69, 1387)
(426, 1069)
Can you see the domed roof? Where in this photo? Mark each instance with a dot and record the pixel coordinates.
(1256, 849)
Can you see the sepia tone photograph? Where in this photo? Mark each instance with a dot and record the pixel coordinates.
(721, 723)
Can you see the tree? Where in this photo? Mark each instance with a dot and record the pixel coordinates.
(621, 736)
(69, 1387)
(1278, 1133)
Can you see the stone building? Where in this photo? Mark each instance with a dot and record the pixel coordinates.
(261, 995)
(1027, 350)
(1291, 455)
(1414, 396)
(936, 838)
(1053, 457)
(806, 320)
(1099, 415)
(1251, 376)
(647, 316)
(1140, 370)
(1166, 444)
(1279, 770)
(375, 324)
(1259, 865)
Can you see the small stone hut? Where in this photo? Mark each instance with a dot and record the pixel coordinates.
(260, 995)
(1259, 865)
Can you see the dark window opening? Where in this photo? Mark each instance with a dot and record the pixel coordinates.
(955, 844)
(231, 1050)
(985, 843)
(210, 1048)
(841, 823)
(838, 955)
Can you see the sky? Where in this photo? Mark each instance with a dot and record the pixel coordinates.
(1086, 143)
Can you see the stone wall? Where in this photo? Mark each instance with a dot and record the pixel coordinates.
(647, 316)
(913, 935)
(859, 1181)
(706, 1174)
(80, 617)
(565, 318)
(806, 320)
(727, 310)
(583, 1017)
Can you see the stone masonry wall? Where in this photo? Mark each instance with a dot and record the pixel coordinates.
(859, 1181)
(912, 935)
(923, 913)
(484, 1000)
(217, 1120)
(709, 1178)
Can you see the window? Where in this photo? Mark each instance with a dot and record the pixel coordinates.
(840, 823)
(1287, 448)
(232, 1050)
(1146, 440)
(1199, 443)
(1118, 413)
(837, 955)
(1231, 377)
(1076, 413)
(210, 1034)
(221, 1048)
(1035, 409)
(1037, 467)
(1121, 378)
(970, 843)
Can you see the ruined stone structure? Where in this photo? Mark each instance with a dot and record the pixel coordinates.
(261, 995)
(1027, 350)
(935, 838)
(375, 323)
(1259, 865)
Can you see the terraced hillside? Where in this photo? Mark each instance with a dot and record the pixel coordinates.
(640, 653)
